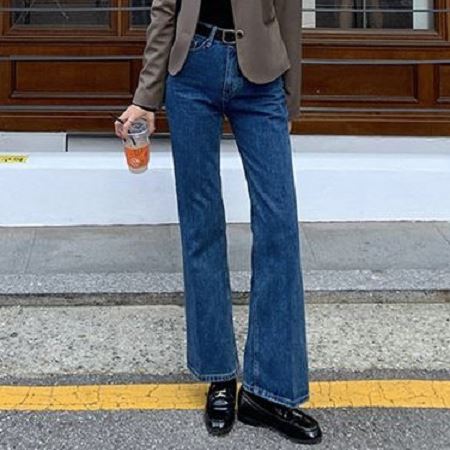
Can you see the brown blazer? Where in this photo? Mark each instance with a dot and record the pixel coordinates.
(269, 46)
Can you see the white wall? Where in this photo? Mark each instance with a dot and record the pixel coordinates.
(339, 178)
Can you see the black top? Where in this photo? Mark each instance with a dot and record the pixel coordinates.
(217, 12)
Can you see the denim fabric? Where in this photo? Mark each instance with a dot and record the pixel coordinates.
(209, 86)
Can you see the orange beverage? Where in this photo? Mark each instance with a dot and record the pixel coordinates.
(137, 147)
(137, 158)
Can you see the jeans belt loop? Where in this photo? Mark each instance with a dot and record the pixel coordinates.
(211, 35)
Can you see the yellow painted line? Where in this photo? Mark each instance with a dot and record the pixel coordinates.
(13, 158)
(324, 394)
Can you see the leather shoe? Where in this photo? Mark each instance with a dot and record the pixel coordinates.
(219, 414)
(289, 422)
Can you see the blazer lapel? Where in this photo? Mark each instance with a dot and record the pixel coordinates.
(192, 12)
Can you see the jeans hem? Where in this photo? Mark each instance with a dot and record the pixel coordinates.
(213, 377)
(274, 397)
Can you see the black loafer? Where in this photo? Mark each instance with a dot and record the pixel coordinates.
(220, 407)
(289, 422)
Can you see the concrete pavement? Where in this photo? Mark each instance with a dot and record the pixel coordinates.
(125, 342)
(130, 345)
(342, 262)
(344, 429)
(90, 306)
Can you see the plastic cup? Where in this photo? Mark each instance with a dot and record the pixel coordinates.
(137, 147)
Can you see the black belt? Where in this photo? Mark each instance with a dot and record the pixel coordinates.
(222, 34)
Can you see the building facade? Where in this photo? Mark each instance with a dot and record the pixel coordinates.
(370, 67)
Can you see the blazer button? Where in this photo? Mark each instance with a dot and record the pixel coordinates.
(239, 33)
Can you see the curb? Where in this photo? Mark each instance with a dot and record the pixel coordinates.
(139, 288)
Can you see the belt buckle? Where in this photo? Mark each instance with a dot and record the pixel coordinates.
(224, 31)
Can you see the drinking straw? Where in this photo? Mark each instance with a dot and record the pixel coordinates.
(122, 122)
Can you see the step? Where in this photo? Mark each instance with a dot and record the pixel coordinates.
(331, 286)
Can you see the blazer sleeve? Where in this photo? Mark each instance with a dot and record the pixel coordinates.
(160, 33)
(289, 16)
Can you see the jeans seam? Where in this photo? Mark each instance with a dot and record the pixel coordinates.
(256, 324)
(255, 345)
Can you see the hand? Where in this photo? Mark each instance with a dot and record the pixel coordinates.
(131, 114)
(290, 126)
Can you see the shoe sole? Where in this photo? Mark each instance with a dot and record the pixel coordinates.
(256, 423)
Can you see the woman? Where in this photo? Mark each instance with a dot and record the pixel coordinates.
(238, 59)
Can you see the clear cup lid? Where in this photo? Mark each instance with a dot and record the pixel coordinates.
(138, 127)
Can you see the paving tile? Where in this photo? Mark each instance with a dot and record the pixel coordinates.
(15, 247)
(377, 245)
(102, 249)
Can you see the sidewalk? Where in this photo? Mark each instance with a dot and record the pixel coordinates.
(108, 365)
(342, 262)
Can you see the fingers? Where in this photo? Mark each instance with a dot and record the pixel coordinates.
(150, 117)
(130, 115)
(127, 117)
(118, 129)
(127, 124)
(290, 126)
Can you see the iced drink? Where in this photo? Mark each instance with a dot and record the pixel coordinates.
(137, 147)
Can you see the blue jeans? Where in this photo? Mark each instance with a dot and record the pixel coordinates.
(209, 86)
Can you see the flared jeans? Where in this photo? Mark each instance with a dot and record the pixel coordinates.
(209, 86)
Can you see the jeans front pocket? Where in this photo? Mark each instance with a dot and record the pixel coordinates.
(198, 42)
